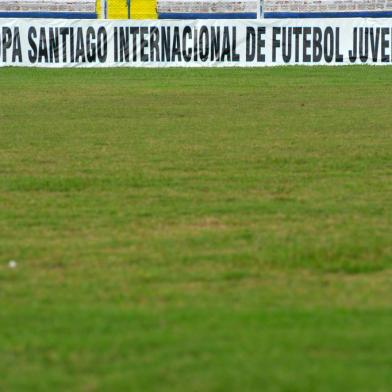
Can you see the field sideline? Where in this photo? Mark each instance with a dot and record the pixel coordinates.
(196, 230)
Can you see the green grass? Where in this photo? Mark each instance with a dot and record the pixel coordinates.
(196, 230)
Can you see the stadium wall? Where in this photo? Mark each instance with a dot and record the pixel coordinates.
(63, 9)
(77, 9)
(278, 9)
(251, 9)
(208, 9)
(196, 9)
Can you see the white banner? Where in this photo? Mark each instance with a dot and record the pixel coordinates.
(199, 43)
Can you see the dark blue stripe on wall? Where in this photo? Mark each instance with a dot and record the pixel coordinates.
(56, 15)
(356, 14)
(223, 15)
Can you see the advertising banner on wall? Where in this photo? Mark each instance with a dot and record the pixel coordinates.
(200, 43)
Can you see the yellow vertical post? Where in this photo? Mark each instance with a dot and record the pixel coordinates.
(98, 9)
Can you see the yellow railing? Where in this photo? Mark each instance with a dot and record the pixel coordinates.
(140, 9)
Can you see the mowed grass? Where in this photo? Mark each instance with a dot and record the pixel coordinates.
(196, 230)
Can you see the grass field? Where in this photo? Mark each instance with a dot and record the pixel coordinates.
(196, 230)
